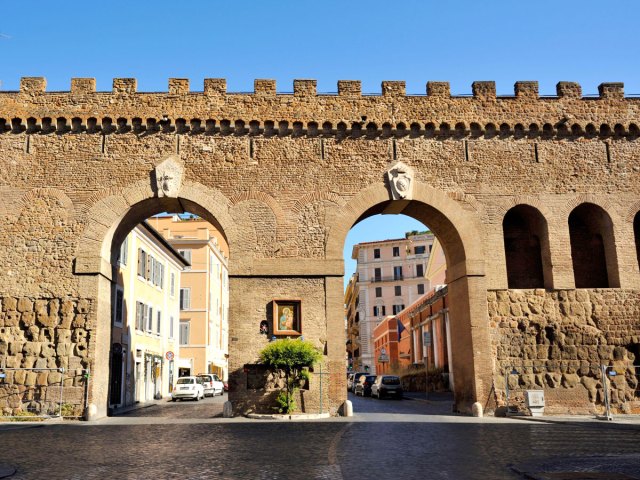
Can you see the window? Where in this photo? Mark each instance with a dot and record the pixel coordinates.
(185, 298)
(173, 284)
(398, 290)
(118, 306)
(150, 319)
(124, 251)
(378, 292)
(159, 322)
(184, 333)
(170, 327)
(375, 311)
(420, 249)
(377, 274)
(396, 251)
(397, 273)
(376, 253)
(384, 310)
(142, 262)
(140, 312)
(397, 309)
(420, 270)
(421, 289)
(186, 253)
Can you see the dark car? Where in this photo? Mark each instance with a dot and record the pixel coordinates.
(363, 387)
(356, 379)
(387, 385)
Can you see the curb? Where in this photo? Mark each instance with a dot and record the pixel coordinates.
(300, 416)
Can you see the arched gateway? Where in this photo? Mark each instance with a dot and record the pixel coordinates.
(284, 178)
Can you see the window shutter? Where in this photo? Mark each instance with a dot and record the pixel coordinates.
(140, 262)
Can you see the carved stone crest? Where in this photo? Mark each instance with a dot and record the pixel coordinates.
(400, 181)
(168, 176)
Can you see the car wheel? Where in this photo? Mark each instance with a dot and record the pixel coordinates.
(173, 399)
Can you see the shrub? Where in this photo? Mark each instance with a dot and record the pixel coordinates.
(292, 357)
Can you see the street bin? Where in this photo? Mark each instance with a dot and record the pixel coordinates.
(535, 402)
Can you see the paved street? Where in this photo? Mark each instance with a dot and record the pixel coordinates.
(387, 438)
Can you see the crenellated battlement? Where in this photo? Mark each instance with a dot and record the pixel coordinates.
(347, 113)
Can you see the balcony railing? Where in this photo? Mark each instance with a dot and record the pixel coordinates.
(393, 278)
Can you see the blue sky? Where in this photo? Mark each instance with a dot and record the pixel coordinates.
(585, 41)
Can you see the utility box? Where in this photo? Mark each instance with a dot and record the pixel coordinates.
(535, 402)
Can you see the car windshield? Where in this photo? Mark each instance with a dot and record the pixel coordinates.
(391, 381)
(183, 381)
(371, 378)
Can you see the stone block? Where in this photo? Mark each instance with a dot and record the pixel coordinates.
(24, 305)
(42, 378)
(439, 89)
(79, 321)
(125, 85)
(29, 362)
(83, 85)
(28, 319)
(68, 306)
(15, 348)
(265, 88)
(64, 349)
(66, 320)
(613, 90)
(31, 85)
(9, 303)
(526, 90)
(30, 379)
(304, 88)
(32, 348)
(349, 88)
(215, 86)
(568, 90)
(393, 88)
(19, 377)
(48, 350)
(84, 306)
(54, 378)
(484, 90)
(178, 86)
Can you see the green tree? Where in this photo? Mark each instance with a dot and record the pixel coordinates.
(292, 357)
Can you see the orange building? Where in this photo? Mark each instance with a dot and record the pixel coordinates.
(392, 345)
(204, 293)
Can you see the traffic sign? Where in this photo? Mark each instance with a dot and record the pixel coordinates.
(169, 355)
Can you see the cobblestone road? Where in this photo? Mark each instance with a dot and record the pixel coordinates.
(390, 438)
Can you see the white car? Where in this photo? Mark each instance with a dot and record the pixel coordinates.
(212, 384)
(188, 387)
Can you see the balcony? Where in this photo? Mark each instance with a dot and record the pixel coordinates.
(393, 278)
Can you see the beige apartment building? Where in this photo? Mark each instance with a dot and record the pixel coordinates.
(204, 293)
(390, 275)
(146, 313)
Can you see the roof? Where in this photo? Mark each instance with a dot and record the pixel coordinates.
(161, 240)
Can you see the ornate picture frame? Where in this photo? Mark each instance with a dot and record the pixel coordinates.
(287, 317)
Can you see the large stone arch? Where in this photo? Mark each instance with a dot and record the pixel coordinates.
(110, 218)
(459, 230)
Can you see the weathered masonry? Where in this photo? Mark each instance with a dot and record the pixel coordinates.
(535, 201)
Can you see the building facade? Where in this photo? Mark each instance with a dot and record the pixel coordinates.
(146, 312)
(389, 276)
(204, 293)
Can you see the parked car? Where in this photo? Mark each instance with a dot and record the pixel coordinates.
(363, 387)
(356, 379)
(212, 384)
(350, 381)
(188, 387)
(386, 385)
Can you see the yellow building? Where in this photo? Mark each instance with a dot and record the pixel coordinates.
(204, 293)
(146, 312)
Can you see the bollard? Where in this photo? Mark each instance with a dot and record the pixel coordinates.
(347, 409)
(227, 410)
(476, 410)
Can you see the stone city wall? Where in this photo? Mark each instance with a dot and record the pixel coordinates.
(286, 176)
(38, 336)
(557, 340)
